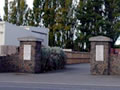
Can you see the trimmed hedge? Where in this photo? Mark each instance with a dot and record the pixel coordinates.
(52, 59)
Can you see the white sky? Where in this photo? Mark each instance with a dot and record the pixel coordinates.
(2, 3)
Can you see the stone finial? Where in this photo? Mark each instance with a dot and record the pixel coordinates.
(100, 38)
(30, 38)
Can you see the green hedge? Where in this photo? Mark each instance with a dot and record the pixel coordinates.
(52, 58)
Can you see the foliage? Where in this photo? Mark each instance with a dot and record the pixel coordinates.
(91, 18)
(112, 13)
(16, 13)
(21, 11)
(97, 17)
(6, 10)
(116, 46)
(57, 16)
(29, 18)
(13, 13)
(37, 11)
(52, 58)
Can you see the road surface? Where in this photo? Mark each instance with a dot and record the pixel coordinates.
(74, 77)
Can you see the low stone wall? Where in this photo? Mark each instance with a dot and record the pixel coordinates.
(10, 63)
(77, 57)
(6, 50)
(115, 64)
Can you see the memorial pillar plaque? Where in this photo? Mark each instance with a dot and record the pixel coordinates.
(99, 52)
(100, 55)
(27, 52)
(30, 54)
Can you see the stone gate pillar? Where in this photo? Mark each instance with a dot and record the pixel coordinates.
(30, 54)
(100, 55)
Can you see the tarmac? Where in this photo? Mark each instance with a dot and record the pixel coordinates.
(76, 75)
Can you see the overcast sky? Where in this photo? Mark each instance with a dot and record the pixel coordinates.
(2, 3)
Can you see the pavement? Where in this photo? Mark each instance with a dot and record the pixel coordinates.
(74, 77)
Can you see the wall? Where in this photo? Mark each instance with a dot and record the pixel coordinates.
(115, 50)
(8, 50)
(10, 63)
(114, 64)
(77, 57)
(15, 62)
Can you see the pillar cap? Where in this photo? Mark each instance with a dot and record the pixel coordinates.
(100, 39)
(30, 38)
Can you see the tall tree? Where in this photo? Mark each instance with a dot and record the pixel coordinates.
(21, 10)
(56, 18)
(94, 18)
(37, 10)
(29, 18)
(57, 15)
(13, 12)
(64, 23)
(112, 14)
(6, 10)
(17, 11)
(49, 7)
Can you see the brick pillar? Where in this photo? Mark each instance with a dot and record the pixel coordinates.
(30, 54)
(100, 55)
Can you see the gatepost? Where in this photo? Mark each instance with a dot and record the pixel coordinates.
(30, 54)
(100, 55)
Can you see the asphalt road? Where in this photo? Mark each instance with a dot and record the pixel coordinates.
(74, 77)
(37, 86)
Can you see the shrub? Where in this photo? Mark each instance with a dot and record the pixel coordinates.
(52, 58)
